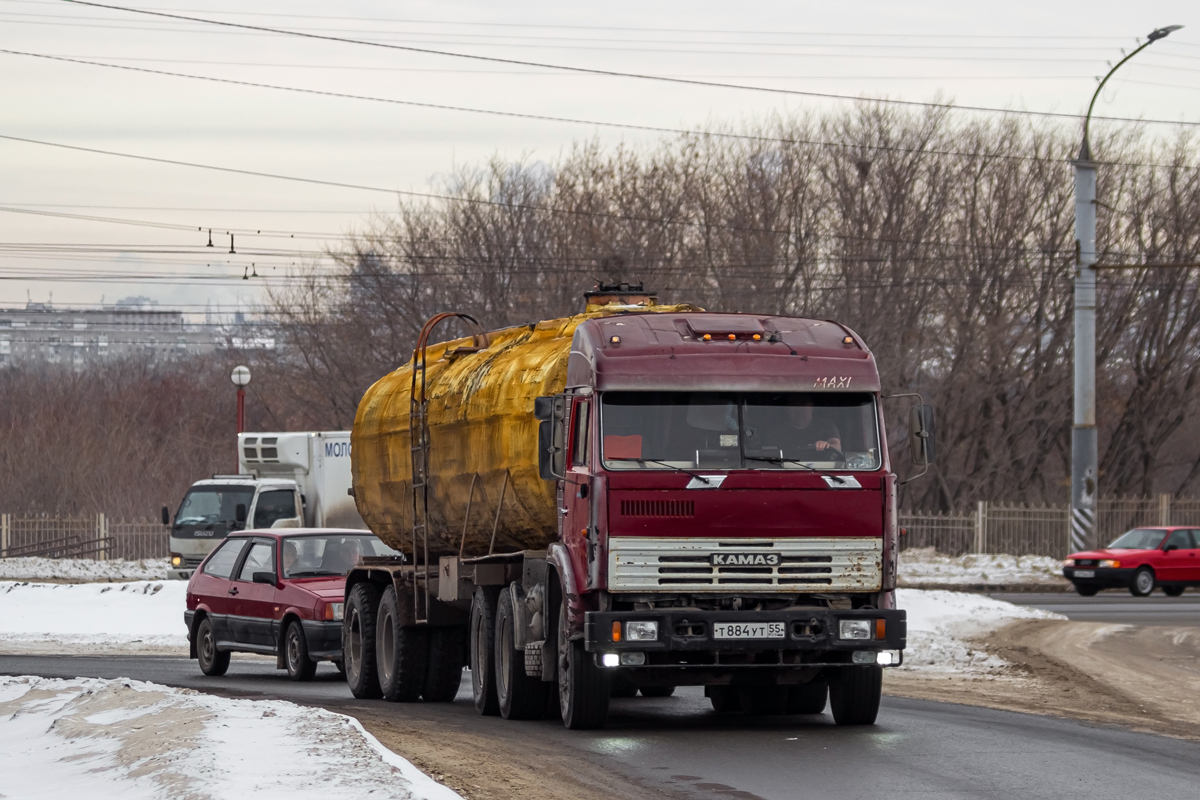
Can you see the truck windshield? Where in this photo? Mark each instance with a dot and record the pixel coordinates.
(209, 505)
(317, 556)
(739, 430)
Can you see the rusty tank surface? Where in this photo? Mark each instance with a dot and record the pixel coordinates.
(484, 490)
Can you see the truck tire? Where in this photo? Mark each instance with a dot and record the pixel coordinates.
(443, 673)
(808, 698)
(854, 695)
(295, 654)
(583, 688)
(657, 691)
(519, 696)
(358, 641)
(482, 639)
(213, 662)
(400, 652)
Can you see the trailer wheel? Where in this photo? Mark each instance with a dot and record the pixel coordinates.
(809, 698)
(854, 695)
(443, 673)
(482, 635)
(213, 662)
(583, 688)
(519, 696)
(400, 652)
(358, 641)
(657, 691)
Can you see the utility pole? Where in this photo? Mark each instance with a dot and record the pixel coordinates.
(240, 377)
(1085, 453)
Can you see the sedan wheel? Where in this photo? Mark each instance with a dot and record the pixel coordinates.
(1143, 582)
(299, 666)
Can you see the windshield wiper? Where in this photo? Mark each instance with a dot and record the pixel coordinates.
(643, 461)
(778, 460)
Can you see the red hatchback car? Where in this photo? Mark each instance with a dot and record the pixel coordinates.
(1140, 560)
(276, 592)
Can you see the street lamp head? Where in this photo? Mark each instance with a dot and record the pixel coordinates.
(1162, 33)
(240, 376)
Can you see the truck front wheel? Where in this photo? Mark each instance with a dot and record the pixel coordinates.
(400, 652)
(482, 634)
(854, 695)
(583, 688)
(358, 641)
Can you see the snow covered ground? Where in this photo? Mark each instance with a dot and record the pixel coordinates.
(87, 618)
(941, 626)
(82, 569)
(926, 566)
(132, 740)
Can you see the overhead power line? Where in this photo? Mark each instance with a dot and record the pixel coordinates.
(604, 72)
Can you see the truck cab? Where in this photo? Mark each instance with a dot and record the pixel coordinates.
(286, 480)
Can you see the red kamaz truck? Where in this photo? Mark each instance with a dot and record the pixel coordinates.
(636, 498)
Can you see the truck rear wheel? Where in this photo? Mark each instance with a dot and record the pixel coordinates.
(358, 641)
(519, 696)
(443, 674)
(854, 695)
(482, 635)
(583, 688)
(808, 698)
(400, 652)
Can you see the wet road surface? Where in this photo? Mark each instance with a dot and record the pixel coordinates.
(1115, 606)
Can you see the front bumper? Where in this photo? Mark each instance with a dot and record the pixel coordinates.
(1102, 577)
(324, 639)
(685, 637)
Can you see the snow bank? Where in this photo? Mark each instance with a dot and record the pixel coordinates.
(82, 569)
(142, 616)
(129, 740)
(940, 625)
(924, 566)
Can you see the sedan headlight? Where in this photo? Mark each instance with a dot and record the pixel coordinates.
(1069, 562)
(641, 631)
(855, 628)
(1110, 563)
(333, 611)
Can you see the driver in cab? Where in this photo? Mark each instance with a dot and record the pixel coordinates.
(810, 433)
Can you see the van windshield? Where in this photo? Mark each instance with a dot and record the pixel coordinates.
(213, 505)
(739, 430)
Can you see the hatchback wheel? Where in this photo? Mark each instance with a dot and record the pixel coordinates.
(1143, 582)
(295, 654)
(212, 661)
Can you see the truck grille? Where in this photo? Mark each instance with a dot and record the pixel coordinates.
(637, 564)
(658, 508)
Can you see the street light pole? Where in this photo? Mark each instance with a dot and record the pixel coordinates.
(1085, 455)
(240, 377)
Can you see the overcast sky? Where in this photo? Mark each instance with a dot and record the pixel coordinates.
(1041, 56)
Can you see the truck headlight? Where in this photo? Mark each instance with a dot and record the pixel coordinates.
(610, 660)
(863, 657)
(333, 611)
(857, 629)
(633, 659)
(176, 560)
(641, 631)
(886, 658)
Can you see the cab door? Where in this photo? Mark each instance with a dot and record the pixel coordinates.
(579, 533)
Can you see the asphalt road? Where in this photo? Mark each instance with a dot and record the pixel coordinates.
(678, 745)
(1114, 606)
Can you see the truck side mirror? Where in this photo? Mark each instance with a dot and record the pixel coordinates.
(166, 515)
(551, 411)
(239, 513)
(921, 435)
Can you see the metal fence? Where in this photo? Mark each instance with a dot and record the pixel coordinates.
(1039, 530)
(92, 536)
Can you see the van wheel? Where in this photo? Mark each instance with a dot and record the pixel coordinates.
(358, 641)
(1143, 582)
(583, 688)
(519, 696)
(400, 652)
(295, 654)
(854, 695)
(213, 662)
(443, 673)
(809, 698)
(482, 636)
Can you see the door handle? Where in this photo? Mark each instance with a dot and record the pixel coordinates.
(233, 590)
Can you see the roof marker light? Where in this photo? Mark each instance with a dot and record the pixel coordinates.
(847, 340)
(756, 336)
(732, 337)
(708, 337)
(615, 340)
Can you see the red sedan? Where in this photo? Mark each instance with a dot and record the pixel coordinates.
(1140, 560)
(276, 593)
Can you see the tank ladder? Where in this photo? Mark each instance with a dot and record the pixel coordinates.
(418, 429)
